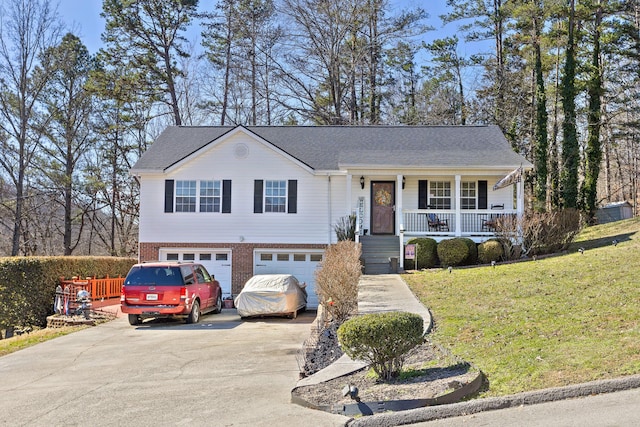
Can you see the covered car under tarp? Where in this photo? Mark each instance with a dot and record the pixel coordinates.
(271, 295)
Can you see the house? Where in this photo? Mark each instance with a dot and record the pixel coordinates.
(256, 200)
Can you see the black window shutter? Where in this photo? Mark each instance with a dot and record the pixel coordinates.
(226, 196)
(168, 195)
(257, 196)
(422, 194)
(292, 203)
(482, 194)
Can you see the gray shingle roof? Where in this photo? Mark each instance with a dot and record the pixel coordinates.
(332, 147)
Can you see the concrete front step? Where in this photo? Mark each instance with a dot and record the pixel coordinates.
(377, 268)
(378, 253)
(380, 265)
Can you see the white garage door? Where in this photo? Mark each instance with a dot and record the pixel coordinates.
(217, 263)
(301, 264)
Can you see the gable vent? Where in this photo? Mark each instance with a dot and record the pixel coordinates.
(241, 151)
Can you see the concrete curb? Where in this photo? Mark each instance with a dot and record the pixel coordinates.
(377, 407)
(370, 408)
(467, 408)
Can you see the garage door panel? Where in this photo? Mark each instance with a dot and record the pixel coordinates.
(301, 264)
(217, 263)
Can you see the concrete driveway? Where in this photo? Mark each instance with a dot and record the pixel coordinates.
(220, 372)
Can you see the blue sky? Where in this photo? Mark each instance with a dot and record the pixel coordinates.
(83, 18)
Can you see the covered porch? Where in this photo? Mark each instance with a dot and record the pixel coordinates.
(439, 205)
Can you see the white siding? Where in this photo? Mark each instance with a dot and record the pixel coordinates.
(322, 200)
(309, 225)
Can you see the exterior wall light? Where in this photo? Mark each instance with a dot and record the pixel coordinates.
(362, 182)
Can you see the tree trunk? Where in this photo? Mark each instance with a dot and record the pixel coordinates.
(594, 149)
(499, 45)
(171, 86)
(570, 149)
(541, 119)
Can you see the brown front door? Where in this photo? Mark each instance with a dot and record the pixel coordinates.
(383, 201)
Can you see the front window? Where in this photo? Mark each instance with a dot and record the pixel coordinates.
(440, 195)
(200, 196)
(185, 196)
(210, 196)
(275, 196)
(468, 195)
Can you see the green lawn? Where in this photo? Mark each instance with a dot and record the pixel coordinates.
(556, 321)
(18, 342)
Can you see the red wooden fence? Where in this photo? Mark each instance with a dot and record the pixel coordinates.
(98, 288)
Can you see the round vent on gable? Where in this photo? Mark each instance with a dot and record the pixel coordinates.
(241, 150)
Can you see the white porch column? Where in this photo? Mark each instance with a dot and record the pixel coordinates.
(458, 231)
(520, 198)
(399, 221)
(398, 206)
(520, 207)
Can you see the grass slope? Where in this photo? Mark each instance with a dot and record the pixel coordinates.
(555, 321)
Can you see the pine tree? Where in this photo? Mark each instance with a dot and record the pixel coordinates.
(66, 127)
(149, 35)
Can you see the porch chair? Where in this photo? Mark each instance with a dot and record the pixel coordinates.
(436, 224)
(489, 224)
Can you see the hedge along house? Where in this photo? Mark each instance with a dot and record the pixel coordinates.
(258, 200)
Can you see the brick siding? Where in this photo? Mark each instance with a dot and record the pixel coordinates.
(241, 260)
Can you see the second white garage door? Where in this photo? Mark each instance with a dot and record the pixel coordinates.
(301, 264)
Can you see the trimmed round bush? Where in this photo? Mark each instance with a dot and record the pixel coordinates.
(473, 251)
(426, 254)
(488, 251)
(452, 252)
(382, 339)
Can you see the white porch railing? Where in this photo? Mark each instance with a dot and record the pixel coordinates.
(472, 222)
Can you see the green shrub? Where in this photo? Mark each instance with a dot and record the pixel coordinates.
(337, 280)
(452, 252)
(28, 284)
(488, 251)
(426, 254)
(472, 259)
(382, 339)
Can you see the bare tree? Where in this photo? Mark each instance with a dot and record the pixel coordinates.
(318, 71)
(27, 29)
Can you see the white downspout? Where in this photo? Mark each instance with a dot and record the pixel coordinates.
(329, 207)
